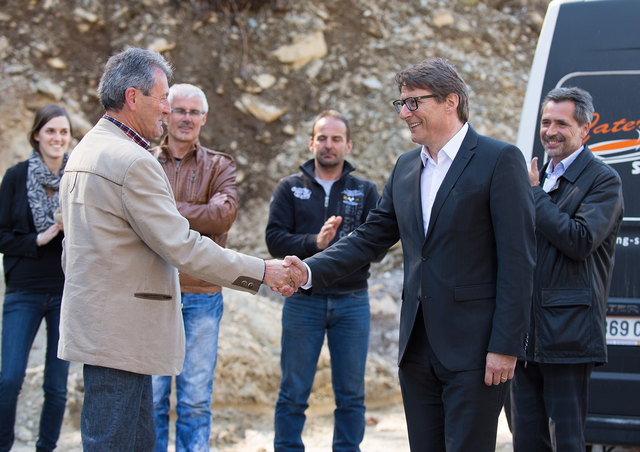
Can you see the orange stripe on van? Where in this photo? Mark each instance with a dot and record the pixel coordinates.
(615, 145)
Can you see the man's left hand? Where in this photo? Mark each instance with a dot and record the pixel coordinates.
(328, 231)
(499, 368)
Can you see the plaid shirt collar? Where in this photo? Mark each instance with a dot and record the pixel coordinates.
(130, 132)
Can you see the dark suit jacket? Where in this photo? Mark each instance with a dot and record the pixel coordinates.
(473, 272)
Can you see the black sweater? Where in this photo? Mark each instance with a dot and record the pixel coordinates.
(27, 267)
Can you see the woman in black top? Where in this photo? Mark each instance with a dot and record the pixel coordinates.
(31, 241)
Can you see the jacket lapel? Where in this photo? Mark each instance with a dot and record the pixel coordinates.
(567, 190)
(578, 165)
(414, 186)
(572, 173)
(460, 162)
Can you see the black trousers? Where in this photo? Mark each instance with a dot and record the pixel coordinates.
(445, 410)
(549, 407)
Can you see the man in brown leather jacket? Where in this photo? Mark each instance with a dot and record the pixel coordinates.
(204, 186)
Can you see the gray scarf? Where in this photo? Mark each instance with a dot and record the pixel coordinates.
(40, 177)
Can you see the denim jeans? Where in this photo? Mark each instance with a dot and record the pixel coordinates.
(305, 319)
(117, 413)
(201, 314)
(22, 314)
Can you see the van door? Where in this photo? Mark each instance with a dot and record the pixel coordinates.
(595, 45)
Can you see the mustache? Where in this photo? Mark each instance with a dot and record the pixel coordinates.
(185, 124)
(554, 137)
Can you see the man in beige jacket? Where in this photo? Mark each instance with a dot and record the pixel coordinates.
(124, 241)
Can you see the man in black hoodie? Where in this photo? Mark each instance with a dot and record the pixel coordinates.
(310, 211)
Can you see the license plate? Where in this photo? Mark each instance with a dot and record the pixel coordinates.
(623, 330)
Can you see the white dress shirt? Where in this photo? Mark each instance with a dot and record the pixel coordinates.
(433, 173)
(553, 173)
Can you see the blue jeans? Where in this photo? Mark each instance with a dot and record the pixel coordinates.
(305, 319)
(117, 413)
(22, 314)
(201, 314)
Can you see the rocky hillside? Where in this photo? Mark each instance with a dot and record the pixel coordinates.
(267, 71)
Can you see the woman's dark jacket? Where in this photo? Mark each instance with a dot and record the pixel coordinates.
(27, 267)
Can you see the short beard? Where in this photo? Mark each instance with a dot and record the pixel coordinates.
(327, 165)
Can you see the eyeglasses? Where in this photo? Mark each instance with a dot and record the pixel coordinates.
(410, 102)
(182, 112)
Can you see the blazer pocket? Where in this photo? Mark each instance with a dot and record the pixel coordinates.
(475, 292)
(466, 188)
(152, 296)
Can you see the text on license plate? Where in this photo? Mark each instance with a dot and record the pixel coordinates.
(623, 330)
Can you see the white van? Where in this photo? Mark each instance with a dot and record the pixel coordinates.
(595, 45)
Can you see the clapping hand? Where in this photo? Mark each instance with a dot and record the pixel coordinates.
(328, 231)
(534, 175)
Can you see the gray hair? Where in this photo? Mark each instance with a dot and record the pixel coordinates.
(189, 91)
(582, 100)
(131, 68)
(441, 78)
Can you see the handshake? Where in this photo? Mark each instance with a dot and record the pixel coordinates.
(285, 276)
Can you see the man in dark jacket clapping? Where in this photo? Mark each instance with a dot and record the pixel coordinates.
(578, 215)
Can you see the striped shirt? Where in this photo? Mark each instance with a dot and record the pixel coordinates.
(135, 136)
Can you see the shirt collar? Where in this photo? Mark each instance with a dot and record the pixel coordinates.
(135, 136)
(563, 165)
(164, 147)
(450, 149)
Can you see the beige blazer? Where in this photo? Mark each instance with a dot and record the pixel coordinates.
(124, 241)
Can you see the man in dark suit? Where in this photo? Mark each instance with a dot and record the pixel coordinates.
(578, 215)
(464, 214)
